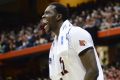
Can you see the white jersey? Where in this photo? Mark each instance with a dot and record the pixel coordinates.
(64, 60)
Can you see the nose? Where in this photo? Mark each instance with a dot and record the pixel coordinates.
(43, 16)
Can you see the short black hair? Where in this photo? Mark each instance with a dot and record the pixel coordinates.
(61, 9)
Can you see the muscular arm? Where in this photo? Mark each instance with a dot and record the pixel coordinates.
(89, 62)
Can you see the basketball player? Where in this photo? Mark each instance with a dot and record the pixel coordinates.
(72, 54)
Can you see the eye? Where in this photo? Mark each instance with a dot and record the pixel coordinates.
(47, 12)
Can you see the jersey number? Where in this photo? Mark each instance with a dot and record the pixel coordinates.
(64, 71)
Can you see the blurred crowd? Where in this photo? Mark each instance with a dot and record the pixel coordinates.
(30, 35)
(103, 17)
(112, 72)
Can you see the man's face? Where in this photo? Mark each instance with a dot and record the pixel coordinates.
(49, 18)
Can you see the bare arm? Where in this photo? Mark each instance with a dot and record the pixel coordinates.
(89, 62)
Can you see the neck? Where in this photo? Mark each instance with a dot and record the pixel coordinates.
(56, 31)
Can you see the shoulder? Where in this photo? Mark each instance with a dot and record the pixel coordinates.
(78, 31)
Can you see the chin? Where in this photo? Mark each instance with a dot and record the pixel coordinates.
(46, 28)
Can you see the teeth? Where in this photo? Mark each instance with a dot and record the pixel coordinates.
(44, 21)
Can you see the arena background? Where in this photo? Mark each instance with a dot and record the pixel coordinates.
(19, 18)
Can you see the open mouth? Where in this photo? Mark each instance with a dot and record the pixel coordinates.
(45, 22)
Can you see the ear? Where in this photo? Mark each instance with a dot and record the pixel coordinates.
(59, 17)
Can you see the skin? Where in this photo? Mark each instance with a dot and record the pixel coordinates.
(53, 23)
(54, 19)
(90, 64)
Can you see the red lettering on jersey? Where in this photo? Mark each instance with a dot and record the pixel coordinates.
(64, 71)
(61, 79)
(82, 42)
